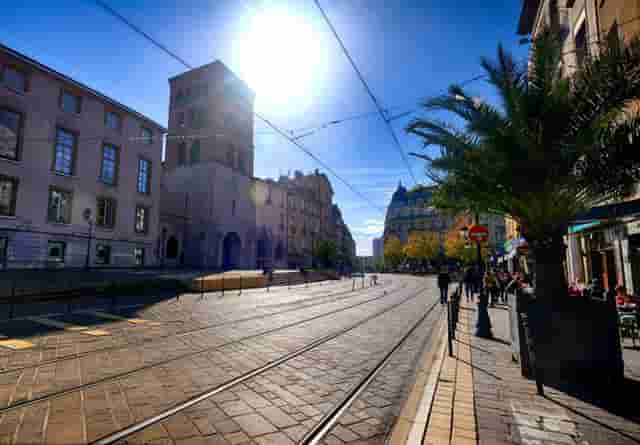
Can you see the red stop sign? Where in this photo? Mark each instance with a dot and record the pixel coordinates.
(478, 233)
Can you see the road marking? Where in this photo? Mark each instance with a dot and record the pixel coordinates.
(97, 332)
(121, 318)
(16, 344)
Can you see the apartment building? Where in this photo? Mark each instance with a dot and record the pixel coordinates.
(271, 200)
(309, 207)
(208, 216)
(597, 248)
(345, 243)
(79, 172)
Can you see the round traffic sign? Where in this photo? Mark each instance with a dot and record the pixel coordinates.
(478, 233)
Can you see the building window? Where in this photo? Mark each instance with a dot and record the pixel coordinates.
(8, 194)
(14, 79)
(106, 212)
(138, 256)
(142, 219)
(233, 207)
(144, 176)
(241, 165)
(103, 254)
(195, 152)
(59, 206)
(56, 251)
(109, 167)
(65, 152)
(69, 102)
(180, 119)
(113, 120)
(146, 135)
(182, 153)
(10, 129)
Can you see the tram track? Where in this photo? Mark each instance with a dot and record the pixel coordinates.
(118, 436)
(72, 389)
(343, 295)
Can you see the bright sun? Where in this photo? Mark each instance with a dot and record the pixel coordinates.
(280, 58)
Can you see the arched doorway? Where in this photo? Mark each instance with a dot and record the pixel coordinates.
(172, 247)
(231, 251)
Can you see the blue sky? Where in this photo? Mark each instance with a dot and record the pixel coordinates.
(407, 50)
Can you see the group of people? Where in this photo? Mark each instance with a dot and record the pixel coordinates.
(496, 283)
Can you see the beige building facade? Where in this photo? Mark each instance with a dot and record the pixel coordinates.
(76, 169)
(208, 211)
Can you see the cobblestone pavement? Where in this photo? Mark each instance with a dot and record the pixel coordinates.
(509, 411)
(174, 317)
(135, 381)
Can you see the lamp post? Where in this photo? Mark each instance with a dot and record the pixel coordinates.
(87, 217)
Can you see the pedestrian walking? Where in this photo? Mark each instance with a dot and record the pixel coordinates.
(468, 283)
(443, 284)
(490, 286)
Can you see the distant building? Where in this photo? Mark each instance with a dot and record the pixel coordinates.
(69, 155)
(410, 211)
(378, 248)
(344, 240)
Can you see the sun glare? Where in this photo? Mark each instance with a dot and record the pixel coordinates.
(280, 58)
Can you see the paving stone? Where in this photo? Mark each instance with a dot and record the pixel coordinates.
(254, 424)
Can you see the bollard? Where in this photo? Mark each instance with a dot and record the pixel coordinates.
(202, 288)
(449, 329)
(288, 281)
(223, 284)
(354, 285)
(12, 298)
(240, 293)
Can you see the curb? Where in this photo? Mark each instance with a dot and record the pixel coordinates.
(410, 426)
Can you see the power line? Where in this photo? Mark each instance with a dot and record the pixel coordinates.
(275, 128)
(368, 89)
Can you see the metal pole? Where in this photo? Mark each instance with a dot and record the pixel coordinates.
(240, 293)
(354, 285)
(223, 283)
(86, 262)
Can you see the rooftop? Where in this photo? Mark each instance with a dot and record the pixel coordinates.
(39, 66)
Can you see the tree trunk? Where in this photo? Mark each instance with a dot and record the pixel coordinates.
(549, 280)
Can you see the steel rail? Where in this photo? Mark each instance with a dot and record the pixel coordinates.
(330, 419)
(77, 355)
(70, 390)
(136, 427)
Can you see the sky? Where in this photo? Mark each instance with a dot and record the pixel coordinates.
(407, 50)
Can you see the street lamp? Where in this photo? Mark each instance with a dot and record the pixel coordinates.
(88, 218)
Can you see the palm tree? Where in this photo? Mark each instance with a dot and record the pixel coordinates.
(553, 147)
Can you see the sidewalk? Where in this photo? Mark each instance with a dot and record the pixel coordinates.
(503, 407)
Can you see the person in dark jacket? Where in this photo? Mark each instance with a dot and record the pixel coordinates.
(468, 283)
(443, 283)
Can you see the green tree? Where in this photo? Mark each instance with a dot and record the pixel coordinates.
(553, 147)
(326, 253)
(393, 251)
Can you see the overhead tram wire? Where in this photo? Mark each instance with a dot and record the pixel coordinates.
(369, 92)
(270, 124)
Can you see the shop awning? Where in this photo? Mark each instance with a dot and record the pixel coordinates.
(580, 227)
(617, 210)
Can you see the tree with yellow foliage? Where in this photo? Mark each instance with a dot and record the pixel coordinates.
(422, 246)
(393, 251)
